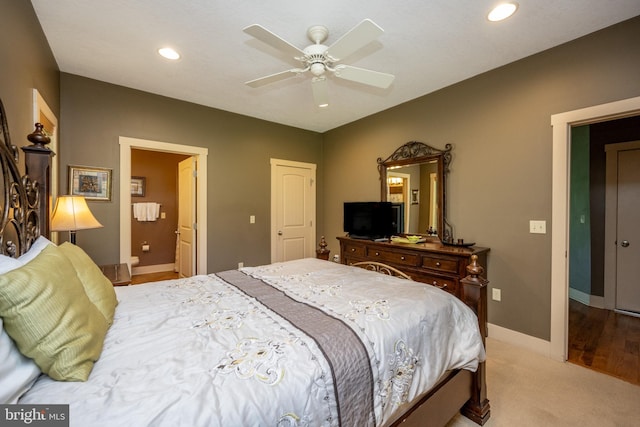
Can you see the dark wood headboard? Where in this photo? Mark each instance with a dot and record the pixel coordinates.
(25, 202)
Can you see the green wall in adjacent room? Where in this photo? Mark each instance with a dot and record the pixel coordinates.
(579, 212)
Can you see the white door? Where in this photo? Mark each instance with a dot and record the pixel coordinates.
(186, 246)
(628, 232)
(293, 210)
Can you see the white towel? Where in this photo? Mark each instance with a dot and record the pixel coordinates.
(153, 211)
(140, 211)
(146, 211)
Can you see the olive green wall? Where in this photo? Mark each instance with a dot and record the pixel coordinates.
(96, 114)
(580, 230)
(27, 64)
(499, 125)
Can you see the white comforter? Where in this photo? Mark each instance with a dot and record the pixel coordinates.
(201, 352)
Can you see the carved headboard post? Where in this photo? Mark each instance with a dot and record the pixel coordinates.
(38, 167)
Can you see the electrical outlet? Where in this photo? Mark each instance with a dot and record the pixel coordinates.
(240, 264)
(252, 219)
(496, 294)
(538, 227)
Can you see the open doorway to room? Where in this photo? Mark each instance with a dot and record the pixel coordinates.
(155, 199)
(128, 149)
(604, 332)
(561, 125)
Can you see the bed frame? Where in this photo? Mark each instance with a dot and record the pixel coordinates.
(460, 390)
(25, 216)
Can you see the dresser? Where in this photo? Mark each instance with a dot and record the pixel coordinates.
(429, 262)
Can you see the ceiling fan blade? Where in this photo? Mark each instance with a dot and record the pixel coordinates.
(273, 40)
(364, 76)
(359, 36)
(320, 91)
(273, 78)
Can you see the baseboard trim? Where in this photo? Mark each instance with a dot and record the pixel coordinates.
(146, 269)
(536, 345)
(586, 299)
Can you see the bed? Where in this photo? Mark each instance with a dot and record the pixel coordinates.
(301, 343)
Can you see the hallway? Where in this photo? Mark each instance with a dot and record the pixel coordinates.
(604, 341)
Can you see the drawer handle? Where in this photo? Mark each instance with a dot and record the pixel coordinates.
(377, 253)
(353, 249)
(402, 258)
(435, 283)
(438, 264)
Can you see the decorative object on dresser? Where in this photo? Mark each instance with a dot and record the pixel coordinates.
(428, 262)
(72, 213)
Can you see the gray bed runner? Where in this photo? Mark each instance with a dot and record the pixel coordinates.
(345, 353)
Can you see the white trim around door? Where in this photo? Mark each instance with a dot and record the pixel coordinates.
(560, 192)
(126, 144)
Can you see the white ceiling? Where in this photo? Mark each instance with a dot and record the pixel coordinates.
(427, 45)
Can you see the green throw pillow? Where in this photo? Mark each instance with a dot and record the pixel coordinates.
(98, 288)
(48, 314)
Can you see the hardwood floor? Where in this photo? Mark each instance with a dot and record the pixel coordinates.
(605, 341)
(153, 277)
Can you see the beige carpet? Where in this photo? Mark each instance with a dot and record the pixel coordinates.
(526, 389)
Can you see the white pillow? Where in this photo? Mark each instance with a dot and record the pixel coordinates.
(17, 372)
(7, 264)
(37, 247)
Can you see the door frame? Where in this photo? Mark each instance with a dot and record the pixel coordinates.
(126, 145)
(275, 163)
(560, 192)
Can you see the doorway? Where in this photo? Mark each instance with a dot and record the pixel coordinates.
(293, 210)
(562, 123)
(200, 154)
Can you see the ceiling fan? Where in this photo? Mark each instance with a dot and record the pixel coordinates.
(320, 60)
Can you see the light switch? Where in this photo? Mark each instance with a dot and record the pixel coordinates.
(163, 215)
(538, 227)
(252, 219)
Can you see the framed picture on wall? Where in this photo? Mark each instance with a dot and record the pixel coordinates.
(415, 197)
(91, 182)
(138, 184)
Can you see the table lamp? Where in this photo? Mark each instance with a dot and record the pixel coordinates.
(71, 213)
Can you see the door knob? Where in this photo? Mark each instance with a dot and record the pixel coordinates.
(624, 243)
(279, 233)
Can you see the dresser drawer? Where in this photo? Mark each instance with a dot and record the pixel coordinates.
(441, 264)
(445, 283)
(354, 250)
(377, 254)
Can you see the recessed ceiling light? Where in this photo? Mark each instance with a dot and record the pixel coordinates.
(502, 11)
(169, 53)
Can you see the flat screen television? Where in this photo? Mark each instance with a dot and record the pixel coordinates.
(369, 220)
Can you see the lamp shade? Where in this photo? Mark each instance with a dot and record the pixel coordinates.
(72, 213)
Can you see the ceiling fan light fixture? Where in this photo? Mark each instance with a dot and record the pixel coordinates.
(502, 11)
(317, 69)
(169, 53)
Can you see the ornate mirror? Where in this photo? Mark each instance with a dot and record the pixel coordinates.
(413, 179)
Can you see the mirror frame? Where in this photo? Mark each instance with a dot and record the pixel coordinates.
(414, 152)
